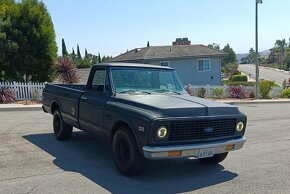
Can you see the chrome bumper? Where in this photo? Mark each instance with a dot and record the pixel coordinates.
(188, 150)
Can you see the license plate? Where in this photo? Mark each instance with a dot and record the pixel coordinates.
(205, 153)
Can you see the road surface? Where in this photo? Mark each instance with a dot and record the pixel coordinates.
(265, 73)
(33, 161)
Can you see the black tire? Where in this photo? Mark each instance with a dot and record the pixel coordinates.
(127, 158)
(217, 158)
(62, 131)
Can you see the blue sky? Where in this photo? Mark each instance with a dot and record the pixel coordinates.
(111, 27)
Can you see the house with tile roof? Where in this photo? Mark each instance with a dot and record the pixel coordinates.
(195, 64)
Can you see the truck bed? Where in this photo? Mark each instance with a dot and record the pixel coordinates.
(67, 96)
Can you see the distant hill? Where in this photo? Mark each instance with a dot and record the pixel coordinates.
(263, 54)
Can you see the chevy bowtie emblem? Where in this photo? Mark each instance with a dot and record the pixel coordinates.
(208, 130)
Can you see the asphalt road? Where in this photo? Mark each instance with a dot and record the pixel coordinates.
(32, 161)
(265, 73)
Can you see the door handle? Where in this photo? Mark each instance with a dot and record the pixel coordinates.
(84, 98)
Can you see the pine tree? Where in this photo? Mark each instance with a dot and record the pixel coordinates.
(78, 52)
(99, 58)
(64, 51)
(73, 54)
(86, 53)
(148, 44)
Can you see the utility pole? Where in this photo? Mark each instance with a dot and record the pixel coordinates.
(257, 50)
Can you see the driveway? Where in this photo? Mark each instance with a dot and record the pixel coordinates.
(265, 73)
(32, 161)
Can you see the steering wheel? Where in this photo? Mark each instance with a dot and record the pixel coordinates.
(163, 86)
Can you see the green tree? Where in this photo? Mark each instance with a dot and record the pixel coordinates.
(35, 37)
(106, 58)
(64, 51)
(78, 52)
(231, 57)
(9, 14)
(214, 46)
(99, 58)
(251, 57)
(148, 44)
(287, 61)
(73, 54)
(86, 53)
(281, 44)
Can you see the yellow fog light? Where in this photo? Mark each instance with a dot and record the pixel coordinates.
(240, 126)
(161, 132)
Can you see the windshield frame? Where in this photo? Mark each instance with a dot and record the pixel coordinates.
(161, 69)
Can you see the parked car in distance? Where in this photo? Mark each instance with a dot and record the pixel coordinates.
(144, 111)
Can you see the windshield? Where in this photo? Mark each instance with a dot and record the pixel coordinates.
(145, 80)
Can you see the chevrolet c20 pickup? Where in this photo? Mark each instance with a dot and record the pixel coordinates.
(145, 113)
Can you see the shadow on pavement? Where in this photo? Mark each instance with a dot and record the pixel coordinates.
(93, 159)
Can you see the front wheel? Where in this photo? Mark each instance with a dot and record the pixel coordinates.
(62, 131)
(127, 158)
(217, 158)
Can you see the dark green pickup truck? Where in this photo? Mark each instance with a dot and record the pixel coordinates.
(146, 114)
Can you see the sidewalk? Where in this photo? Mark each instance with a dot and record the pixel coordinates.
(21, 107)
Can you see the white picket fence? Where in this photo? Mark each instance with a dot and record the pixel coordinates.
(28, 91)
(25, 91)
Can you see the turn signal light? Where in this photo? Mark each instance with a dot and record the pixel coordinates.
(174, 153)
(230, 147)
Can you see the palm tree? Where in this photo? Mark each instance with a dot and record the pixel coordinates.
(281, 44)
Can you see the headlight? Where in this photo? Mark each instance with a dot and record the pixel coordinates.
(240, 126)
(161, 132)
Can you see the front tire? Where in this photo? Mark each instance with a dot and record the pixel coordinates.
(127, 158)
(62, 131)
(217, 158)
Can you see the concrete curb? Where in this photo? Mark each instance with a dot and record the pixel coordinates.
(257, 102)
(19, 107)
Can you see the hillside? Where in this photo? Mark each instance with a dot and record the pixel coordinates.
(263, 54)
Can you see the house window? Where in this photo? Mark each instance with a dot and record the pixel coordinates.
(164, 63)
(204, 64)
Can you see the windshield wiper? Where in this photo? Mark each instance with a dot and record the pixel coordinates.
(133, 91)
(166, 91)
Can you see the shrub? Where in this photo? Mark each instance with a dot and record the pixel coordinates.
(66, 71)
(189, 90)
(237, 92)
(284, 83)
(240, 78)
(265, 87)
(6, 96)
(252, 95)
(230, 83)
(201, 92)
(218, 92)
(35, 95)
(285, 93)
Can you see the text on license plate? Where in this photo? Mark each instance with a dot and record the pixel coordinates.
(205, 153)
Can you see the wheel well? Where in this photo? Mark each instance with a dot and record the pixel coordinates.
(54, 107)
(116, 126)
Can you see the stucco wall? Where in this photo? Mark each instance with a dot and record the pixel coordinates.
(188, 71)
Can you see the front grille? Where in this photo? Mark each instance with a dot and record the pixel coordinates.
(201, 129)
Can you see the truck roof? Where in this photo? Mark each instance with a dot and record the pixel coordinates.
(132, 65)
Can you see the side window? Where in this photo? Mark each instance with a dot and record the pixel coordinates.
(99, 80)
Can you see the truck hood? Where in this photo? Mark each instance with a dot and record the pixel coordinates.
(165, 105)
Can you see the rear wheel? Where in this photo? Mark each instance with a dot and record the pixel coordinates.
(127, 158)
(62, 131)
(217, 158)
